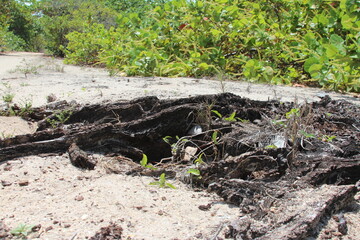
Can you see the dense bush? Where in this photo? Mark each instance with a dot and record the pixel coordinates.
(19, 29)
(311, 42)
(276, 41)
(60, 18)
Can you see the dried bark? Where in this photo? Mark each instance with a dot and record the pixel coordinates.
(79, 158)
(283, 192)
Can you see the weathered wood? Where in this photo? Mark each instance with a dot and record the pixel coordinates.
(79, 158)
(283, 190)
(296, 214)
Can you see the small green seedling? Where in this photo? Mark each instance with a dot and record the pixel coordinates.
(162, 182)
(60, 118)
(27, 68)
(199, 160)
(22, 230)
(195, 172)
(242, 120)
(166, 139)
(217, 113)
(294, 112)
(327, 138)
(175, 146)
(231, 118)
(214, 137)
(144, 163)
(8, 98)
(307, 135)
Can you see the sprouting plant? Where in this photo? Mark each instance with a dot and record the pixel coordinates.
(294, 112)
(198, 161)
(167, 139)
(180, 142)
(327, 138)
(22, 231)
(26, 68)
(59, 118)
(195, 172)
(217, 113)
(144, 163)
(231, 118)
(162, 182)
(214, 137)
(25, 108)
(307, 135)
(8, 98)
(144, 160)
(243, 120)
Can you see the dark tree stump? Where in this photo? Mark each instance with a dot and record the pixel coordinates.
(283, 190)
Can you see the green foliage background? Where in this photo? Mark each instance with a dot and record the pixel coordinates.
(311, 42)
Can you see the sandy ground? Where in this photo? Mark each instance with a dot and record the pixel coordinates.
(78, 202)
(91, 85)
(73, 204)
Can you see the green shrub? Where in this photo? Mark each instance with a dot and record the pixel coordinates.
(63, 17)
(279, 41)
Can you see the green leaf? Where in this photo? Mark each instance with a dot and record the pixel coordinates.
(314, 70)
(310, 39)
(336, 40)
(194, 171)
(144, 160)
(217, 113)
(349, 22)
(320, 18)
(231, 118)
(151, 167)
(309, 62)
(203, 66)
(22, 230)
(166, 139)
(162, 180)
(154, 183)
(199, 160)
(307, 135)
(294, 112)
(170, 185)
(216, 32)
(331, 50)
(214, 137)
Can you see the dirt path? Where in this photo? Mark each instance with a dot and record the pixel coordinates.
(91, 85)
(70, 203)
